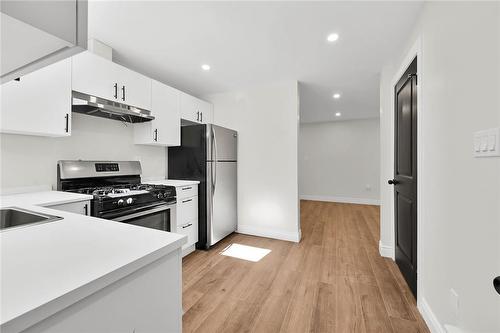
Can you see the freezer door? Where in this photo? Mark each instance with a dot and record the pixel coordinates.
(222, 143)
(221, 200)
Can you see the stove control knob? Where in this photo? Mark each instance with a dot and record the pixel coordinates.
(159, 195)
(130, 201)
(121, 202)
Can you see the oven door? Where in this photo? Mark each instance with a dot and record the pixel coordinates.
(158, 217)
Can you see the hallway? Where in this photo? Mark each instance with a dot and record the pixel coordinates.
(334, 280)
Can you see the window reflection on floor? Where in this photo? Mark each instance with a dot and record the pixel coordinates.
(245, 252)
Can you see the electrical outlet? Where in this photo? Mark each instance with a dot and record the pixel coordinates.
(454, 302)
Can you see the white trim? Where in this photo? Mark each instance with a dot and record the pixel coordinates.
(360, 201)
(429, 317)
(188, 250)
(385, 250)
(269, 233)
(415, 51)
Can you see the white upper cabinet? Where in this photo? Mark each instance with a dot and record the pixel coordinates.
(35, 34)
(39, 103)
(134, 88)
(165, 129)
(196, 110)
(97, 76)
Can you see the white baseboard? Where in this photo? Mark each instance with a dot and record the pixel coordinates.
(188, 250)
(269, 233)
(359, 201)
(385, 251)
(429, 317)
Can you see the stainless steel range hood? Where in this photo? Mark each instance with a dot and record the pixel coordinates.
(100, 107)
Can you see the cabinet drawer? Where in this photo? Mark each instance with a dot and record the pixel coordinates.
(187, 210)
(187, 191)
(82, 207)
(189, 229)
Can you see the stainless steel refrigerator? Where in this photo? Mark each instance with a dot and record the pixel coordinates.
(208, 153)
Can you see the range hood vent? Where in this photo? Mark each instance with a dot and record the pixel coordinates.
(100, 107)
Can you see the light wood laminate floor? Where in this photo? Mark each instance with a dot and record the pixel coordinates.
(334, 280)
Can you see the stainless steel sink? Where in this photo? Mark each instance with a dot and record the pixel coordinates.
(14, 217)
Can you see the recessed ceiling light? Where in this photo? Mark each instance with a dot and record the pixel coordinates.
(205, 67)
(338, 114)
(332, 37)
(336, 95)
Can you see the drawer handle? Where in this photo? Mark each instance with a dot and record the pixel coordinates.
(184, 201)
(187, 225)
(186, 188)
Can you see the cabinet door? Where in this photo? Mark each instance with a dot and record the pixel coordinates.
(165, 129)
(39, 103)
(206, 112)
(195, 109)
(95, 75)
(165, 103)
(134, 88)
(190, 109)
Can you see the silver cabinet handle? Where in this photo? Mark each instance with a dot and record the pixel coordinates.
(187, 225)
(186, 188)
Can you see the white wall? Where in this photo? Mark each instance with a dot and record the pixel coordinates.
(340, 161)
(266, 118)
(459, 82)
(28, 161)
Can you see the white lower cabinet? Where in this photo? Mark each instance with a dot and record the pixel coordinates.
(147, 300)
(38, 103)
(189, 229)
(80, 207)
(187, 216)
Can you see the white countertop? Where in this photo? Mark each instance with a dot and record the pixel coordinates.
(172, 182)
(47, 267)
(42, 198)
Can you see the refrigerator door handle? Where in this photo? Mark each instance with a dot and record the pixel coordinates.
(214, 161)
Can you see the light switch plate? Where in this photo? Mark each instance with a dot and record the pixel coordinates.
(486, 143)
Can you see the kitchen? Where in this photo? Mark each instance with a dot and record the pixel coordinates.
(96, 107)
(222, 167)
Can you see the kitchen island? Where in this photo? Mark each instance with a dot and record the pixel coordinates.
(84, 274)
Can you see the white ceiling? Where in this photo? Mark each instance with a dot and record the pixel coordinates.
(250, 43)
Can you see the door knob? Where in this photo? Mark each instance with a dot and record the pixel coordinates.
(392, 182)
(496, 284)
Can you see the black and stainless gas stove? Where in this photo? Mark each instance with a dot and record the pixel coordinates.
(118, 192)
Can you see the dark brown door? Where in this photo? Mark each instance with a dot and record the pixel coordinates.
(405, 175)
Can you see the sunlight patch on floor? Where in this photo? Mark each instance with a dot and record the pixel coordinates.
(245, 252)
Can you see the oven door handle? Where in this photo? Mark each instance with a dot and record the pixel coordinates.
(143, 212)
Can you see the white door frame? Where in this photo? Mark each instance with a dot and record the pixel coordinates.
(415, 51)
